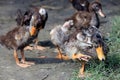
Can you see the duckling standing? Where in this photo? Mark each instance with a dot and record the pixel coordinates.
(78, 48)
(24, 20)
(20, 37)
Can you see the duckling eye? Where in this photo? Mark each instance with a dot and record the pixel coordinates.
(85, 17)
(97, 7)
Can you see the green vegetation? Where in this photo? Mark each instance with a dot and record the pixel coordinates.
(110, 70)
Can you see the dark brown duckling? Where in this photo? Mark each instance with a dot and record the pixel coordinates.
(23, 19)
(95, 8)
(20, 37)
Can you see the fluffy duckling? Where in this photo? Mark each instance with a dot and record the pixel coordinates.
(20, 37)
(83, 40)
(84, 46)
(24, 20)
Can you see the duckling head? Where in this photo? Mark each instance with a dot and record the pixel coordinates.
(98, 44)
(96, 6)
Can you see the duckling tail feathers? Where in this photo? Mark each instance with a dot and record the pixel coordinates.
(4, 42)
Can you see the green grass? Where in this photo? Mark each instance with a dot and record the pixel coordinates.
(110, 70)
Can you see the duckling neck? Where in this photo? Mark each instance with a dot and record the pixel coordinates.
(95, 19)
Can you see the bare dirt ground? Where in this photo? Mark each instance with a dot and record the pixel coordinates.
(48, 68)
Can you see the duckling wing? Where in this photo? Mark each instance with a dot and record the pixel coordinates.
(58, 36)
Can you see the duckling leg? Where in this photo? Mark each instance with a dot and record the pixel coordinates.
(23, 59)
(61, 56)
(17, 60)
(100, 53)
(82, 69)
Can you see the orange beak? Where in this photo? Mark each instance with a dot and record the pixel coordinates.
(101, 13)
(33, 31)
(100, 53)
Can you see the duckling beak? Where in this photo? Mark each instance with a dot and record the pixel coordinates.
(32, 31)
(100, 53)
(101, 13)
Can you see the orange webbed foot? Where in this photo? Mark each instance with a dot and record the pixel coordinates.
(39, 48)
(81, 57)
(83, 75)
(23, 65)
(27, 62)
(28, 48)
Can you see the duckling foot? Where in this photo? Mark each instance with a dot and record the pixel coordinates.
(28, 48)
(85, 58)
(81, 57)
(28, 63)
(81, 76)
(84, 75)
(39, 47)
(23, 65)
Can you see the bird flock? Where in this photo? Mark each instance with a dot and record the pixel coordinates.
(78, 38)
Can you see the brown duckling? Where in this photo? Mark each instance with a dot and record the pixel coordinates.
(94, 8)
(20, 37)
(24, 20)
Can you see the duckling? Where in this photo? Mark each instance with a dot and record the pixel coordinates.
(83, 44)
(24, 20)
(82, 49)
(94, 8)
(20, 37)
